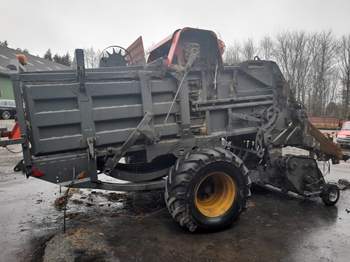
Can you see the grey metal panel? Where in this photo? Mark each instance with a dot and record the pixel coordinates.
(49, 76)
(110, 137)
(114, 69)
(117, 124)
(113, 88)
(17, 89)
(247, 86)
(57, 144)
(54, 116)
(146, 94)
(50, 118)
(225, 86)
(103, 75)
(164, 85)
(237, 131)
(219, 120)
(117, 112)
(50, 91)
(63, 167)
(185, 106)
(116, 100)
(57, 108)
(130, 111)
(124, 87)
(33, 131)
(169, 129)
(237, 99)
(238, 105)
(53, 131)
(118, 136)
(53, 105)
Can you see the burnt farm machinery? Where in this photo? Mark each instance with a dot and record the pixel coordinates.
(182, 121)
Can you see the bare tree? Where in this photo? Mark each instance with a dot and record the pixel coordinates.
(344, 62)
(266, 48)
(92, 57)
(293, 53)
(248, 50)
(232, 54)
(309, 63)
(323, 71)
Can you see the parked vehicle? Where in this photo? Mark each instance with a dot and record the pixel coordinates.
(343, 136)
(184, 122)
(7, 109)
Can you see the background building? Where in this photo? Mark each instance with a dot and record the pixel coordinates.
(35, 63)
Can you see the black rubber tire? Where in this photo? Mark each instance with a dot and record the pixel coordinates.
(186, 174)
(6, 115)
(326, 197)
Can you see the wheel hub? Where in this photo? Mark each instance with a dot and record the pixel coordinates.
(333, 195)
(215, 194)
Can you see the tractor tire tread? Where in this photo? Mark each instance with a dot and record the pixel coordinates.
(185, 169)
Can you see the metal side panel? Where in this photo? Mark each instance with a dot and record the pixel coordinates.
(54, 116)
(61, 113)
(63, 168)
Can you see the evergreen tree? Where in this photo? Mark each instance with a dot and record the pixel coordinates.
(67, 59)
(48, 55)
(63, 60)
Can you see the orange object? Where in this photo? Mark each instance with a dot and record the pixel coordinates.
(22, 59)
(15, 132)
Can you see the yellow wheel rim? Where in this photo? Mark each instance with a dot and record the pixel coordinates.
(215, 194)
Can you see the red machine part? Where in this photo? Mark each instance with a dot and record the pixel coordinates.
(171, 48)
(36, 172)
(14, 134)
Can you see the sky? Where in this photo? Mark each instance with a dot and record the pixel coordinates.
(64, 25)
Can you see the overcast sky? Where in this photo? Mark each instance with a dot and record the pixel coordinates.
(64, 25)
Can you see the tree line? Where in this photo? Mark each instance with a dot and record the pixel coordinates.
(91, 56)
(64, 59)
(60, 59)
(315, 65)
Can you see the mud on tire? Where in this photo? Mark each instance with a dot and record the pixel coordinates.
(207, 189)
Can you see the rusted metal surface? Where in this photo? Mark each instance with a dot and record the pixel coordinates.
(137, 52)
(326, 144)
(325, 122)
(172, 47)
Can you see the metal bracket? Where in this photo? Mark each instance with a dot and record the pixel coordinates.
(79, 56)
(245, 117)
(142, 128)
(194, 54)
(91, 147)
